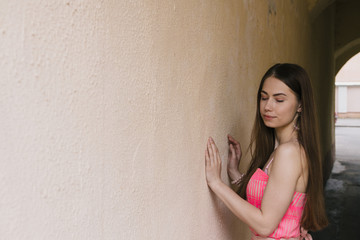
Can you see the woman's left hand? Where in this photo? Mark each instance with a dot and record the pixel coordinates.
(304, 234)
(212, 163)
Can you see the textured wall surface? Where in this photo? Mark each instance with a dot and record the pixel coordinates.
(347, 34)
(106, 107)
(322, 71)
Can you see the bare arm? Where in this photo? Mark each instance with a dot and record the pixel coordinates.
(278, 194)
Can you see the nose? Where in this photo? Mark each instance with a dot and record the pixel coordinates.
(268, 106)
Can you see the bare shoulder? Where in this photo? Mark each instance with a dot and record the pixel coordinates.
(290, 149)
(290, 156)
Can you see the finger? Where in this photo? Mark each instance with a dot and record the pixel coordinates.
(232, 149)
(236, 146)
(216, 153)
(237, 150)
(214, 147)
(230, 146)
(230, 152)
(210, 150)
(207, 158)
(231, 139)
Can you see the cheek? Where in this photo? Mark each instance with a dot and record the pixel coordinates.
(288, 111)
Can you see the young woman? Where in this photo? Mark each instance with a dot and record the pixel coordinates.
(281, 194)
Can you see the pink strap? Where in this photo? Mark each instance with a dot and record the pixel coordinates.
(267, 166)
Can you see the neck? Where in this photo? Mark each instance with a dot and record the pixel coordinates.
(285, 134)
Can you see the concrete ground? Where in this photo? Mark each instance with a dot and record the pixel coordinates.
(342, 192)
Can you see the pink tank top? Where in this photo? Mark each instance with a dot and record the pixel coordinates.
(289, 226)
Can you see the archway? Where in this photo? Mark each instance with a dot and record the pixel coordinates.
(347, 90)
(342, 192)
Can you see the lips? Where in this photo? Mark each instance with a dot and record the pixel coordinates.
(268, 117)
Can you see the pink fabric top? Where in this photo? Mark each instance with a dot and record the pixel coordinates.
(289, 226)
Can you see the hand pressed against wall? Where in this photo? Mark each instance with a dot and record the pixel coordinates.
(234, 157)
(212, 163)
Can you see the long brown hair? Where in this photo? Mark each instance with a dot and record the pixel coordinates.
(262, 142)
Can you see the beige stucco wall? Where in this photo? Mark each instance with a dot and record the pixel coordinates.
(322, 72)
(106, 108)
(347, 34)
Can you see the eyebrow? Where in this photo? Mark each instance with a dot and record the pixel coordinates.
(276, 94)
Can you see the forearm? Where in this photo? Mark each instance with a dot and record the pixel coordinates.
(246, 212)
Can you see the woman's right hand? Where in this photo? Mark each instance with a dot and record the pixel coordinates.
(234, 157)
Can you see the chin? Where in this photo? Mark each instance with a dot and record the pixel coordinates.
(269, 125)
